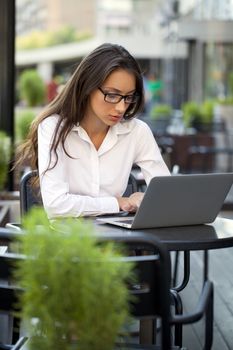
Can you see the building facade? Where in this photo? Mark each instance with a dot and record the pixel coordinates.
(186, 44)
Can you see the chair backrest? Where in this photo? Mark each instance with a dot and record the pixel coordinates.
(153, 271)
(8, 299)
(132, 186)
(30, 196)
(10, 338)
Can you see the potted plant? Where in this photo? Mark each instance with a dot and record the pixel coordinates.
(161, 111)
(23, 121)
(207, 115)
(75, 295)
(160, 117)
(198, 116)
(32, 88)
(191, 113)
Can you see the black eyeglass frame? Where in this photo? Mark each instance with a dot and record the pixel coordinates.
(134, 96)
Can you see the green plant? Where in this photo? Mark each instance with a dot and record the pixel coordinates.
(191, 113)
(23, 121)
(230, 84)
(64, 35)
(5, 154)
(37, 39)
(161, 111)
(32, 88)
(228, 101)
(75, 290)
(207, 111)
(194, 113)
(199, 116)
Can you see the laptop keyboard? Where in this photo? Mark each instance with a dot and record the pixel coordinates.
(126, 221)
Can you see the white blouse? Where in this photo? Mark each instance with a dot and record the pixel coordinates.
(88, 182)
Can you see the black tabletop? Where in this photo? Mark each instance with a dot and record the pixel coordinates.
(217, 235)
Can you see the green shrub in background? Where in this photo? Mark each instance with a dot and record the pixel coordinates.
(37, 39)
(5, 155)
(23, 120)
(228, 101)
(191, 113)
(32, 88)
(64, 35)
(75, 290)
(194, 113)
(207, 111)
(230, 84)
(161, 111)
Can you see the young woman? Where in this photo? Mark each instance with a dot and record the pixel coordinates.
(85, 142)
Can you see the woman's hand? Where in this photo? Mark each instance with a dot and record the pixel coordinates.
(130, 203)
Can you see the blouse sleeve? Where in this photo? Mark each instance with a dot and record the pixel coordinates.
(148, 155)
(56, 196)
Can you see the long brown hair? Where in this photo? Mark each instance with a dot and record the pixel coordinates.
(71, 103)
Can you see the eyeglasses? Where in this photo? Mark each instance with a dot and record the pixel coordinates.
(116, 98)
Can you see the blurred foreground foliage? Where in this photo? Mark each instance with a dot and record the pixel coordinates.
(75, 293)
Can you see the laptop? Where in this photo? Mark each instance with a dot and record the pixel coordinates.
(178, 200)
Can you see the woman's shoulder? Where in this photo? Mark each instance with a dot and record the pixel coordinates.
(141, 124)
(47, 126)
(137, 125)
(50, 121)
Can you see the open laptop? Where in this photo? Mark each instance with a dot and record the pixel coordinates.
(178, 200)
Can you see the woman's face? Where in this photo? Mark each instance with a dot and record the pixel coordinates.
(99, 110)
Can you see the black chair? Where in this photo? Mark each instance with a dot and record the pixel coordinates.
(18, 345)
(8, 301)
(155, 298)
(30, 196)
(152, 289)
